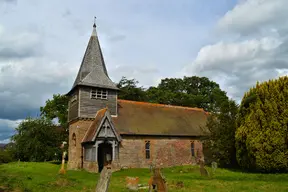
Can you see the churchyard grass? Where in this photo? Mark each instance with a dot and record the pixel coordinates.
(40, 177)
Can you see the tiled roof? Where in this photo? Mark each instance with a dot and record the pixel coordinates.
(157, 119)
(93, 127)
(93, 70)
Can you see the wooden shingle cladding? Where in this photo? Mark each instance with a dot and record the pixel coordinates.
(94, 87)
(93, 72)
(73, 105)
(89, 106)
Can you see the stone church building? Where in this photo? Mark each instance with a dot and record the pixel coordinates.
(125, 134)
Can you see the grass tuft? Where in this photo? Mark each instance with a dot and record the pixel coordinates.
(45, 177)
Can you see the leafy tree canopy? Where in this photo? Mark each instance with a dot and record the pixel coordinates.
(36, 140)
(188, 91)
(56, 108)
(220, 146)
(262, 127)
(130, 91)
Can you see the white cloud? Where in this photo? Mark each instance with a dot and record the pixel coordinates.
(5, 141)
(229, 57)
(7, 129)
(9, 123)
(253, 15)
(147, 75)
(259, 54)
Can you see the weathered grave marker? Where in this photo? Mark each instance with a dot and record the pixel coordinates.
(203, 171)
(62, 170)
(157, 181)
(103, 182)
(214, 167)
(132, 183)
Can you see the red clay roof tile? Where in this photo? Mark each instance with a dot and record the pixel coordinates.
(157, 119)
(94, 125)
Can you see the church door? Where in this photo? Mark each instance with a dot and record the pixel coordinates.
(104, 156)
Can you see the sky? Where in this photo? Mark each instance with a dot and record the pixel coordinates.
(233, 42)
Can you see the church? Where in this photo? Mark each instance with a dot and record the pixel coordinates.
(105, 130)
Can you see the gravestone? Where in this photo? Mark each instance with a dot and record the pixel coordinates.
(157, 182)
(214, 167)
(132, 183)
(103, 182)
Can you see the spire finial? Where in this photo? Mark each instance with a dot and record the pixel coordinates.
(94, 22)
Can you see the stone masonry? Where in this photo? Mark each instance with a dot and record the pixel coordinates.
(78, 129)
(163, 151)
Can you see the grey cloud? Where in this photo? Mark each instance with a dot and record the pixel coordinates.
(25, 86)
(19, 46)
(8, 1)
(7, 128)
(67, 13)
(242, 72)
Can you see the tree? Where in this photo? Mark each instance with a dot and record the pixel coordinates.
(130, 91)
(220, 145)
(190, 91)
(36, 140)
(57, 108)
(262, 127)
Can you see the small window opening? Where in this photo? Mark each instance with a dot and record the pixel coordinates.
(74, 139)
(99, 94)
(147, 149)
(192, 149)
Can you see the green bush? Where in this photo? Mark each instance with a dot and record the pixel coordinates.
(262, 127)
(5, 156)
(220, 146)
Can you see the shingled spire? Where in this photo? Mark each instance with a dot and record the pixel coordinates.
(93, 71)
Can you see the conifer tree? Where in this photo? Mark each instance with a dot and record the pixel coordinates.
(262, 127)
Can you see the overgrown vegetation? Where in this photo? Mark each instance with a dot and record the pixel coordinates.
(5, 156)
(37, 140)
(262, 133)
(220, 146)
(40, 177)
(187, 91)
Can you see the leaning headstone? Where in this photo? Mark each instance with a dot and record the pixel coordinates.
(132, 183)
(103, 182)
(214, 167)
(62, 170)
(157, 182)
(203, 171)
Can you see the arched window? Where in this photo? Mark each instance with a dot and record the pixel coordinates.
(192, 149)
(74, 139)
(147, 149)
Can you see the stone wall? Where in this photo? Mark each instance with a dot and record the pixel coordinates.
(165, 151)
(78, 128)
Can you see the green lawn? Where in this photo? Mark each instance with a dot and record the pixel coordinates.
(40, 177)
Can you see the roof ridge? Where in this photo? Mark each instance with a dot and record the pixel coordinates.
(97, 113)
(163, 105)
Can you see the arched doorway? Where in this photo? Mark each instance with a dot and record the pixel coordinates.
(104, 156)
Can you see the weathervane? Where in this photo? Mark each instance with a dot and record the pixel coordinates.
(94, 22)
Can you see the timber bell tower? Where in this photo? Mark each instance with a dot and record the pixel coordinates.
(92, 90)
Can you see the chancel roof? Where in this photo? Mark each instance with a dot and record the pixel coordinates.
(142, 118)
